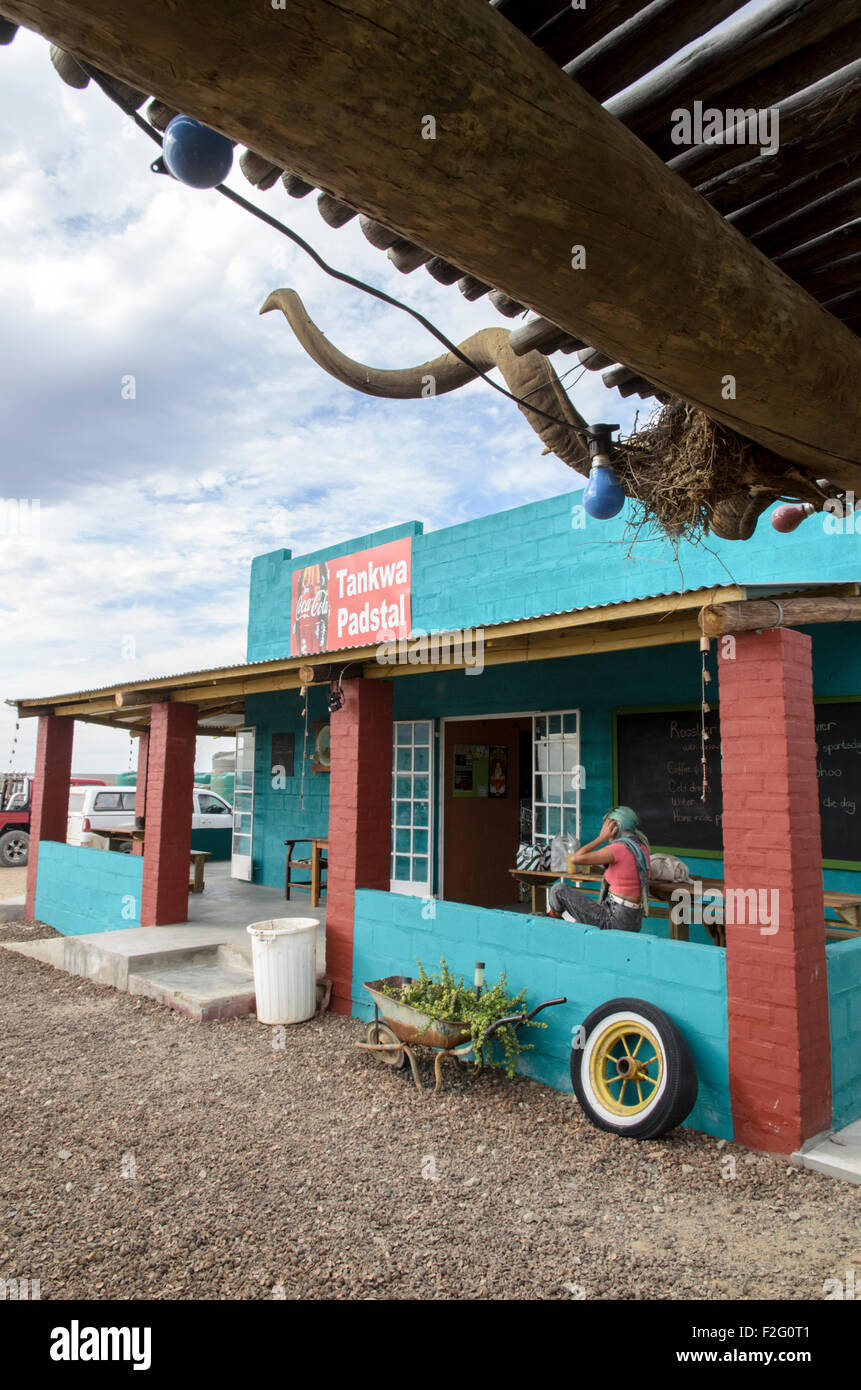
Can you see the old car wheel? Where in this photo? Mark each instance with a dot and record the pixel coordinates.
(14, 849)
(632, 1070)
(381, 1033)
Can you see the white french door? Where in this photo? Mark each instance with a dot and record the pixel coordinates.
(412, 807)
(241, 857)
(557, 775)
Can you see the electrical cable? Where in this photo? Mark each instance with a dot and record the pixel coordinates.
(341, 275)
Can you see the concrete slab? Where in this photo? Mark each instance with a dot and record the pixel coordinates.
(202, 967)
(13, 909)
(837, 1154)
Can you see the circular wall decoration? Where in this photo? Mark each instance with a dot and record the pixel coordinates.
(321, 758)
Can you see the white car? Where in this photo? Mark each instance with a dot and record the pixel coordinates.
(92, 809)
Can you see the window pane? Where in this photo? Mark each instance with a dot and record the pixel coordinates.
(555, 787)
(422, 732)
(420, 870)
(420, 842)
(554, 821)
(539, 821)
(555, 723)
(541, 726)
(403, 811)
(402, 869)
(402, 841)
(405, 785)
(555, 755)
(404, 759)
(420, 786)
(420, 816)
(569, 820)
(569, 723)
(404, 734)
(421, 758)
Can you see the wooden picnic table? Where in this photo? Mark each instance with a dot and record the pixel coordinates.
(846, 905)
(197, 857)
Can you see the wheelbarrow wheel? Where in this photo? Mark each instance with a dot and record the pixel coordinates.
(632, 1070)
(382, 1033)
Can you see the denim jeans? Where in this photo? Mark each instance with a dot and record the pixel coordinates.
(589, 912)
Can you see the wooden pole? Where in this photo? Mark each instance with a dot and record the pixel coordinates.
(330, 92)
(718, 618)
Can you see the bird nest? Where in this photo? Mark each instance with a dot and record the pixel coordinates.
(692, 476)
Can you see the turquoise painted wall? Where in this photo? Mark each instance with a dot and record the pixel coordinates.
(285, 814)
(540, 559)
(593, 684)
(552, 958)
(843, 960)
(87, 890)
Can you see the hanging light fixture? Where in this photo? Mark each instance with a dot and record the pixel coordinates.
(787, 517)
(604, 495)
(196, 155)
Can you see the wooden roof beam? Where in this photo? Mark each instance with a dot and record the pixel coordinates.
(771, 33)
(337, 93)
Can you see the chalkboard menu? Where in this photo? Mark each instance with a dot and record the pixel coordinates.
(659, 773)
(838, 748)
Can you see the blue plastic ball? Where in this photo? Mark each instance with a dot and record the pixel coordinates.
(196, 155)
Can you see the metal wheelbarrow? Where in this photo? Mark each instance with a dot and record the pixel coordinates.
(402, 1027)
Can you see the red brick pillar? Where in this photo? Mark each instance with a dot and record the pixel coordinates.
(140, 787)
(169, 801)
(779, 1046)
(49, 810)
(360, 819)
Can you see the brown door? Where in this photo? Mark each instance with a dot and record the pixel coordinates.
(481, 810)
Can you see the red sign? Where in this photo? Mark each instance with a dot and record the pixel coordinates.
(354, 601)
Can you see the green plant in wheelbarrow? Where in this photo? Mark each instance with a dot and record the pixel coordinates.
(481, 1009)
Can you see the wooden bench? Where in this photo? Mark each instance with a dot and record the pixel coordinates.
(846, 905)
(197, 857)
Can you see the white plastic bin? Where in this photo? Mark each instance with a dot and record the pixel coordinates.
(284, 954)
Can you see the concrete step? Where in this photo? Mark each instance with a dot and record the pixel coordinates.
(191, 969)
(202, 990)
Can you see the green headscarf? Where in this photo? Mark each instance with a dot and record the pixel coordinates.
(626, 819)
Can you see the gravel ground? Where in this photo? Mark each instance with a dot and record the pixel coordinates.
(146, 1156)
(13, 882)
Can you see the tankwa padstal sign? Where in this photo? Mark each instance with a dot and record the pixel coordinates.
(353, 601)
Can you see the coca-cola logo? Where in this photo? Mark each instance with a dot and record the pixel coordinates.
(313, 605)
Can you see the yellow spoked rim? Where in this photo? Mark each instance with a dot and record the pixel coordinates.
(626, 1067)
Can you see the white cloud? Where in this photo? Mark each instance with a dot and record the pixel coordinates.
(234, 443)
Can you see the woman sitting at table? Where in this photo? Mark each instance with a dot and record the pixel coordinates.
(624, 891)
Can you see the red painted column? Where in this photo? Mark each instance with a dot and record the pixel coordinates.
(360, 819)
(140, 785)
(779, 1044)
(50, 805)
(169, 801)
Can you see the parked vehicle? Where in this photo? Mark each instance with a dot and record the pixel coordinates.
(15, 796)
(113, 808)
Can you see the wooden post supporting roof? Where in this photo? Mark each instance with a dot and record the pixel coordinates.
(754, 614)
(339, 93)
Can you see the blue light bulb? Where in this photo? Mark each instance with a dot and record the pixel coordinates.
(196, 155)
(604, 495)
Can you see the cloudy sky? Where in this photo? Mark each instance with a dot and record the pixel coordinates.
(151, 509)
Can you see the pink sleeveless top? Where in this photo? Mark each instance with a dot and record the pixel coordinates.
(622, 877)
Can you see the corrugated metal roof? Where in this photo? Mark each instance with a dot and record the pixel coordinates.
(141, 681)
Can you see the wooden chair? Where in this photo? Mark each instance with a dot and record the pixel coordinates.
(314, 864)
